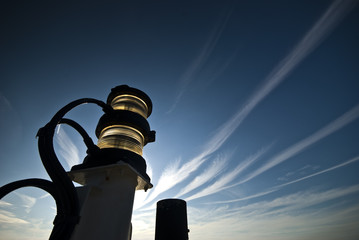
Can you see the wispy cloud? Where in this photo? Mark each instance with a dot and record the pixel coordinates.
(16, 214)
(215, 70)
(5, 204)
(332, 127)
(140, 196)
(211, 172)
(352, 160)
(275, 219)
(199, 61)
(45, 196)
(298, 200)
(5, 104)
(278, 187)
(68, 150)
(279, 218)
(172, 175)
(27, 201)
(15, 227)
(9, 117)
(260, 194)
(228, 177)
(10, 218)
(336, 11)
(307, 44)
(144, 223)
(312, 38)
(302, 171)
(175, 174)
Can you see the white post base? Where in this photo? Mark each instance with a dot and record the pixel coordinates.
(106, 202)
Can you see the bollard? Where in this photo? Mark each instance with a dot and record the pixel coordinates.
(171, 220)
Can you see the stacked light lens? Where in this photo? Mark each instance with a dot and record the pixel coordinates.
(127, 128)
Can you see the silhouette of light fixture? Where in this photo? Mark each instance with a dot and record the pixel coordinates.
(110, 173)
(122, 133)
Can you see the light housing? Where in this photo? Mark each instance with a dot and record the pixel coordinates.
(130, 103)
(122, 133)
(124, 97)
(126, 127)
(122, 137)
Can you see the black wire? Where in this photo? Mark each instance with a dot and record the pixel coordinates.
(61, 187)
(45, 185)
(87, 139)
(70, 203)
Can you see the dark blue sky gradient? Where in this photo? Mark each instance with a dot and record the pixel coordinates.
(201, 63)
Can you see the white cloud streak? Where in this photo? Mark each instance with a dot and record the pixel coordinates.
(332, 127)
(5, 204)
(173, 175)
(307, 44)
(260, 194)
(140, 196)
(350, 161)
(143, 224)
(313, 37)
(298, 200)
(169, 178)
(280, 218)
(7, 217)
(45, 196)
(27, 201)
(201, 58)
(211, 172)
(216, 71)
(289, 204)
(228, 177)
(278, 187)
(68, 149)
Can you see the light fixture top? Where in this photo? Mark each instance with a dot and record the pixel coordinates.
(126, 90)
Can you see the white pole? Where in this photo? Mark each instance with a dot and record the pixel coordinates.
(106, 202)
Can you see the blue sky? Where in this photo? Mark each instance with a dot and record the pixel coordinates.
(255, 105)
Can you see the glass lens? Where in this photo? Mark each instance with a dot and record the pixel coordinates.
(130, 103)
(123, 137)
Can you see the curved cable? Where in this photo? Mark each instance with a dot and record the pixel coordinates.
(86, 138)
(58, 175)
(61, 187)
(45, 185)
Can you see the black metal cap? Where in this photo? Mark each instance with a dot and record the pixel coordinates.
(124, 89)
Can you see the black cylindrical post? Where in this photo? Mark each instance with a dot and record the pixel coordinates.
(171, 220)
